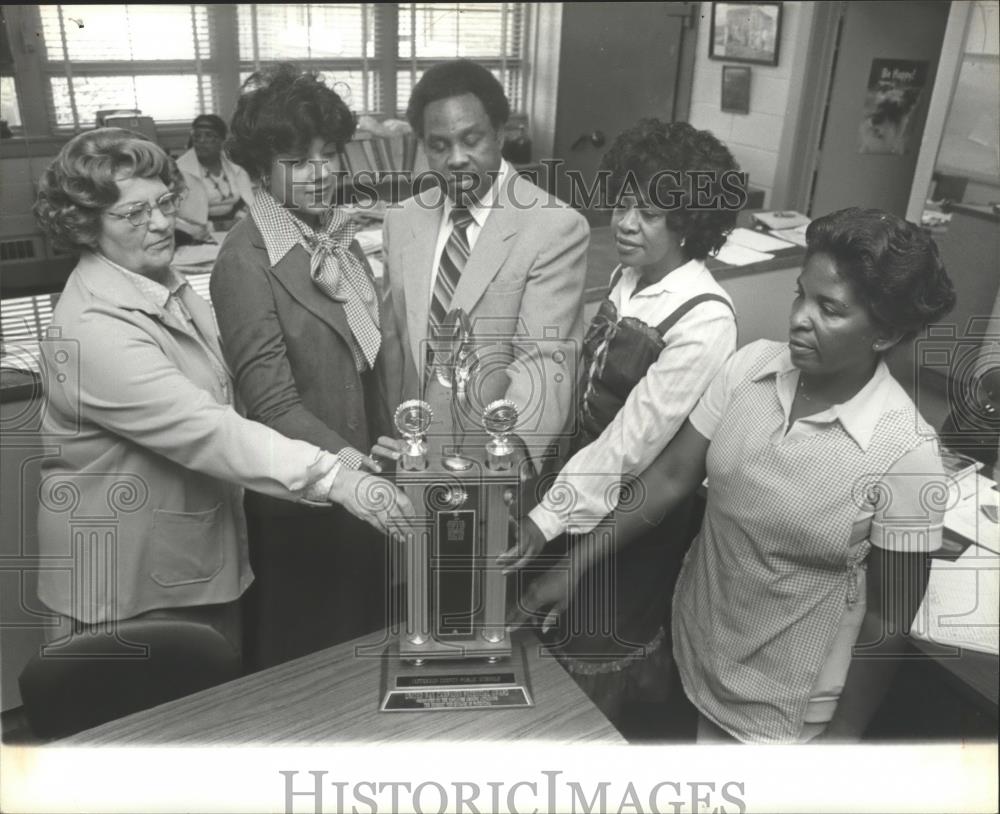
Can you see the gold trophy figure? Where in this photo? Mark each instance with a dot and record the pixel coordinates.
(455, 372)
(499, 419)
(412, 419)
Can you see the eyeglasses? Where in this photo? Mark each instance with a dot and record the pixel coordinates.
(140, 214)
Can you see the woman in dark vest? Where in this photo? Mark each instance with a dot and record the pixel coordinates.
(664, 330)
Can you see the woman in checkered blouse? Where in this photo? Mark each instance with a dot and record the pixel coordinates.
(825, 494)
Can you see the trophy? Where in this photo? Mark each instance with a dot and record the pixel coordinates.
(412, 419)
(499, 420)
(454, 651)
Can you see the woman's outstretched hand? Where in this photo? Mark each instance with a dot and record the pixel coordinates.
(388, 448)
(375, 500)
(547, 596)
(528, 544)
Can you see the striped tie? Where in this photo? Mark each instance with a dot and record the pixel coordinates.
(453, 259)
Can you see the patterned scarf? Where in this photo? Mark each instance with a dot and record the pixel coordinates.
(334, 269)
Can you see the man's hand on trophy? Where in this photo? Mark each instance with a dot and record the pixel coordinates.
(528, 544)
(388, 448)
(548, 593)
(372, 499)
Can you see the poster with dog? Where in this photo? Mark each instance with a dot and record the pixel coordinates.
(895, 89)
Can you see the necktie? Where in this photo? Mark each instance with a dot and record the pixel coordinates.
(453, 259)
(341, 276)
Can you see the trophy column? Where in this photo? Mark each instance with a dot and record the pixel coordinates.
(412, 419)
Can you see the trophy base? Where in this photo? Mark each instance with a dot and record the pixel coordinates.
(439, 685)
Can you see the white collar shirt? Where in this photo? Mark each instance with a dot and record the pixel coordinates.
(479, 212)
(858, 415)
(655, 302)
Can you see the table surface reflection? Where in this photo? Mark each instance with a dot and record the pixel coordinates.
(333, 696)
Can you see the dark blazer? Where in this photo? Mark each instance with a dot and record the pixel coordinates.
(288, 346)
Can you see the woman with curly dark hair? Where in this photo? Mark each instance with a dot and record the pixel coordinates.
(663, 332)
(299, 316)
(826, 492)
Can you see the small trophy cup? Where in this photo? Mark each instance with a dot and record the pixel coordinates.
(499, 419)
(412, 419)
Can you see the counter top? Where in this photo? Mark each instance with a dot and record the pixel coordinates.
(602, 259)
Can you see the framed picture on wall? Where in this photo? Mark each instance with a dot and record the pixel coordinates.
(736, 88)
(745, 32)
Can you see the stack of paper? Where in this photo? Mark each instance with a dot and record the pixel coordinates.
(734, 255)
(962, 605)
(796, 235)
(758, 241)
(971, 500)
(781, 220)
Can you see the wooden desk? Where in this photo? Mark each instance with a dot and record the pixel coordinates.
(333, 696)
(976, 674)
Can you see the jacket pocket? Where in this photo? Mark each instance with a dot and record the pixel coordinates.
(186, 546)
(504, 284)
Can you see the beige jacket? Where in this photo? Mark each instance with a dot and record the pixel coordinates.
(140, 503)
(522, 289)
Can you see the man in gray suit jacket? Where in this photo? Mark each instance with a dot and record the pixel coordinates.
(487, 241)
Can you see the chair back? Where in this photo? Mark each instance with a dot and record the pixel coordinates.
(128, 120)
(97, 675)
(387, 150)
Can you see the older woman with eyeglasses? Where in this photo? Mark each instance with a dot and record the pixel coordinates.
(139, 410)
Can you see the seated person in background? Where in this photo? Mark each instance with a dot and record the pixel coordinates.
(491, 243)
(658, 339)
(298, 310)
(825, 494)
(219, 191)
(139, 410)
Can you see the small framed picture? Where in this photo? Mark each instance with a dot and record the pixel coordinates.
(736, 88)
(745, 32)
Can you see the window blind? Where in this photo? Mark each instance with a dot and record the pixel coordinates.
(489, 33)
(25, 318)
(155, 58)
(348, 43)
(10, 110)
(337, 40)
(163, 59)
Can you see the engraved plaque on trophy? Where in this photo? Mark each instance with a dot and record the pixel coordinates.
(453, 651)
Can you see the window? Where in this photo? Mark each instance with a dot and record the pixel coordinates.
(173, 62)
(337, 40)
(9, 110)
(489, 33)
(23, 320)
(157, 59)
